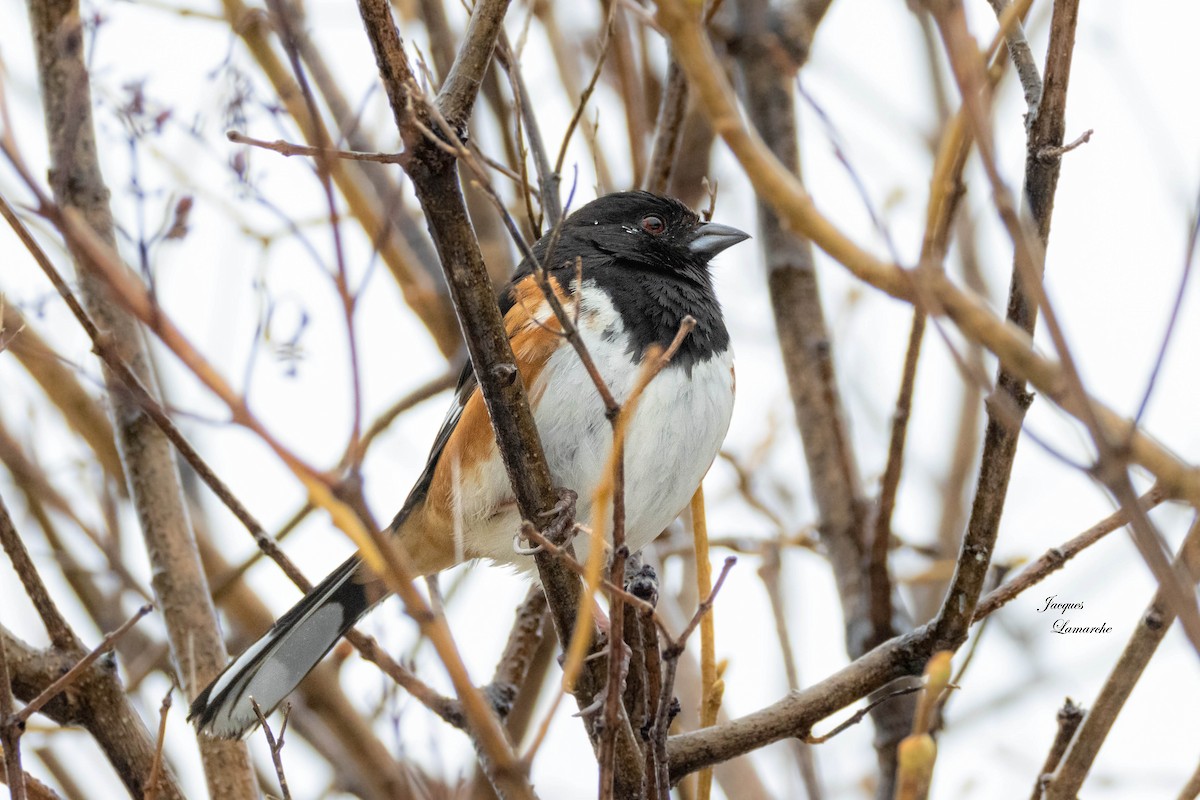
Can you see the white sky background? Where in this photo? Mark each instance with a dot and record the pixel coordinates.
(1114, 263)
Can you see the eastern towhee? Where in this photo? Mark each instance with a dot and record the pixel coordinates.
(644, 262)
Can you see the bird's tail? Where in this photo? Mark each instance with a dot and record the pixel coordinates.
(273, 666)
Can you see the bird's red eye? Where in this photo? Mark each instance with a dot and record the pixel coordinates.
(653, 224)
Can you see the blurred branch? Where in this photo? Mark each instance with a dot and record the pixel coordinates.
(1149, 633)
(769, 570)
(768, 73)
(629, 85)
(150, 470)
(325, 716)
(548, 177)
(586, 94)
(370, 650)
(1191, 790)
(771, 179)
(711, 686)
(565, 49)
(80, 410)
(668, 128)
(415, 284)
(135, 297)
(1185, 275)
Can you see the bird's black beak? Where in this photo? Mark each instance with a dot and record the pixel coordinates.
(711, 238)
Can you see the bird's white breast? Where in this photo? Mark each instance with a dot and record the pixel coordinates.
(677, 429)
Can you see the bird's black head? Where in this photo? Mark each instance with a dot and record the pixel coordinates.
(649, 231)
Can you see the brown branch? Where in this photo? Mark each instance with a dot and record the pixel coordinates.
(150, 470)
(442, 706)
(586, 94)
(861, 714)
(70, 676)
(285, 148)
(431, 169)
(668, 129)
(1000, 438)
(795, 714)
(1191, 789)
(98, 703)
(665, 708)
(10, 732)
(769, 571)
(524, 640)
(59, 382)
(1023, 61)
(878, 576)
(629, 85)
(275, 743)
(565, 48)
(159, 741)
(548, 177)
(789, 199)
(1051, 152)
(61, 635)
(1068, 717)
(435, 180)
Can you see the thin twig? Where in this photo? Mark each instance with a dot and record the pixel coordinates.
(275, 743)
(548, 180)
(286, 148)
(710, 692)
(1022, 58)
(56, 625)
(1056, 557)
(10, 732)
(156, 766)
(586, 94)
(106, 644)
(877, 569)
(1188, 259)
(769, 571)
(1068, 718)
(861, 714)
(676, 647)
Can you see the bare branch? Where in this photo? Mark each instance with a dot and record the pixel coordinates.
(1069, 717)
(10, 732)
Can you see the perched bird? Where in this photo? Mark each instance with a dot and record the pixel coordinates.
(631, 266)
